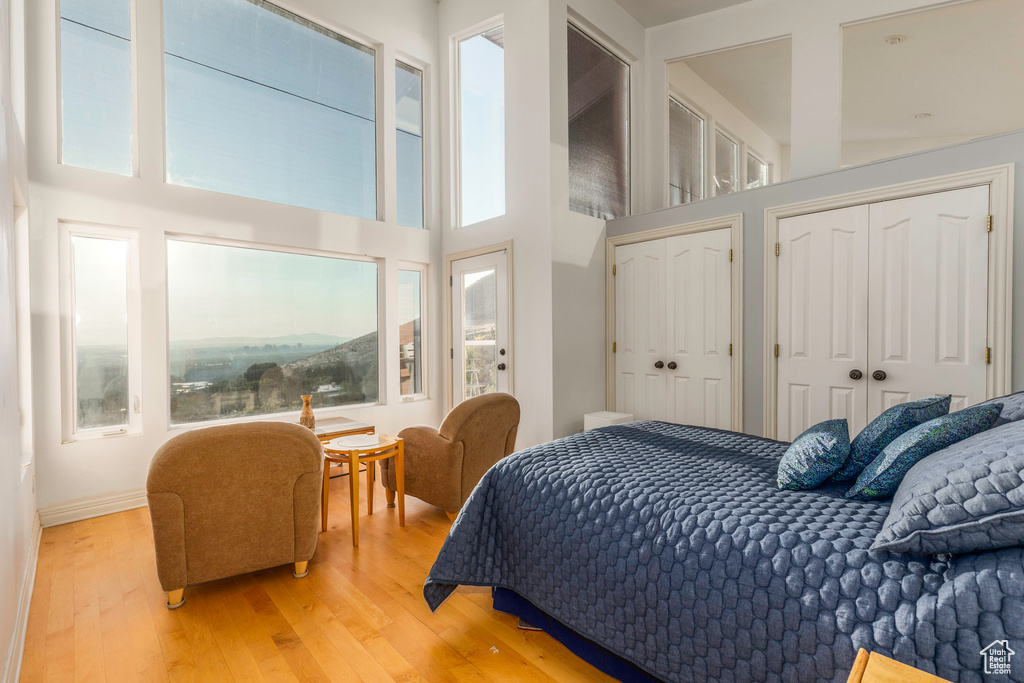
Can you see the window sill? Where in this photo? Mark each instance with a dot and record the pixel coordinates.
(100, 434)
(413, 398)
(292, 416)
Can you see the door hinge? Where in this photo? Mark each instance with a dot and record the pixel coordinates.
(615, 347)
(990, 223)
(614, 268)
(776, 350)
(450, 281)
(451, 353)
(776, 248)
(988, 355)
(730, 256)
(730, 349)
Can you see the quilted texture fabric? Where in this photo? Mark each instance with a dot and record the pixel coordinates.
(672, 547)
(1013, 407)
(966, 498)
(815, 455)
(873, 439)
(883, 475)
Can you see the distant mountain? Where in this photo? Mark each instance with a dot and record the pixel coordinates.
(310, 339)
(352, 364)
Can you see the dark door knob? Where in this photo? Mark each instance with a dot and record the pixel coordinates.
(672, 365)
(501, 366)
(659, 365)
(856, 374)
(878, 375)
(502, 352)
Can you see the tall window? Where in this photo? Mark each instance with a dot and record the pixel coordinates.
(482, 126)
(685, 154)
(262, 103)
(757, 172)
(96, 85)
(598, 129)
(727, 164)
(101, 353)
(409, 115)
(251, 330)
(410, 331)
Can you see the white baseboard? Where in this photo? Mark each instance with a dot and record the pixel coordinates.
(87, 508)
(17, 649)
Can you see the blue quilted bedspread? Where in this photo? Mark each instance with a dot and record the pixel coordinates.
(672, 547)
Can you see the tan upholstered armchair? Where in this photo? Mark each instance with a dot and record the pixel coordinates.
(443, 465)
(234, 499)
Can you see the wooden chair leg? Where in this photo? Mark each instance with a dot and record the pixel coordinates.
(390, 495)
(301, 569)
(451, 515)
(175, 598)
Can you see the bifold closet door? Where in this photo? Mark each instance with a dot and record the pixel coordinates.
(640, 329)
(699, 302)
(928, 298)
(823, 320)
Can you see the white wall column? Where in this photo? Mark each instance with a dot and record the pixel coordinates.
(817, 103)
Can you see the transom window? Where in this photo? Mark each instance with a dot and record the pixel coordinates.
(409, 117)
(262, 103)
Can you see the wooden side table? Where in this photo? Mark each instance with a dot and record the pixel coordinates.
(333, 427)
(386, 447)
(872, 667)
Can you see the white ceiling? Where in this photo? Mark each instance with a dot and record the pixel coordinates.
(654, 12)
(756, 79)
(963, 64)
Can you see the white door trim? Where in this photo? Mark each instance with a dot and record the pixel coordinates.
(449, 389)
(1000, 274)
(734, 223)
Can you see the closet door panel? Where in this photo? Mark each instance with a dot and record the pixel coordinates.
(640, 329)
(822, 323)
(928, 298)
(699, 300)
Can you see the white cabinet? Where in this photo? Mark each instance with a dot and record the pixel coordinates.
(880, 304)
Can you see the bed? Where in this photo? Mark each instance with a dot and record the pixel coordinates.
(671, 549)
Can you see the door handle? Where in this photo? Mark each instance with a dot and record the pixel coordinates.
(672, 365)
(501, 366)
(878, 375)
(659, 364)
(856, 374)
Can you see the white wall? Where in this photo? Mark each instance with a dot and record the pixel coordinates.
(17, 491)
(815, 27)
(94, 469)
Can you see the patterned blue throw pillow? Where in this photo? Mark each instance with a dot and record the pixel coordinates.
(873, 439)
(883, 475)
(815, 455)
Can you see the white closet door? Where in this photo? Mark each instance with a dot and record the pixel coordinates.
(699, 301)
(823, 320)
(929, 298)
(640, 329)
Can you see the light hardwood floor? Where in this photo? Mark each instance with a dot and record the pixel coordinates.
(98, 612)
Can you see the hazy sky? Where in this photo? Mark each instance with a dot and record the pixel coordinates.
(482, 74)
(101, 291)
(218, 291)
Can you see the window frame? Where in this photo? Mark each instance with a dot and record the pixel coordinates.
(626, 60)
(290, 415)
(713, 159)
(424, 270)
(381, 107)
(134, 61)
(423, 68)
(756, 156)
(706, 121)
(456, 41)
(69, 357)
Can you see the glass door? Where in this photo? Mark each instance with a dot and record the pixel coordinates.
(481, 356)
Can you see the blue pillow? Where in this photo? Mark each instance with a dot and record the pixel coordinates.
(873, 439)
(1013, 407)
(815, 455)
(883, 475)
